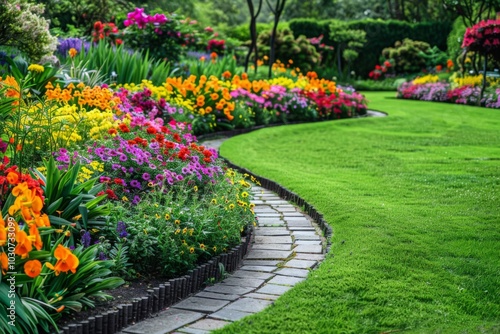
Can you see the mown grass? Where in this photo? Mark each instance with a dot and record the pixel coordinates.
(413, 200)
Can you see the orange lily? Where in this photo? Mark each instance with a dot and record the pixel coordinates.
(24, 245)
(66, 260)
(36, 235)
(33, 268)
(3, 231)
(4, 260)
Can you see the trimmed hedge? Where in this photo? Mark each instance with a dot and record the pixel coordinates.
(379, 35)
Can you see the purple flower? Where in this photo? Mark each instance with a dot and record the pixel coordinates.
(135, 184)
(146, 176)
(121, 229)
(86, 239)
(102, 256)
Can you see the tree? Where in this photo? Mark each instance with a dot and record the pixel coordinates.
(347, 43)
(23, 27)
(472, 11)
(277, 10)
(253, 33)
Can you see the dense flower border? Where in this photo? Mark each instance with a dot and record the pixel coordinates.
(443, 92)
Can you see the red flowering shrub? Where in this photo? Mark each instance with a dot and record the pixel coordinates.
(217, 46)
(484, 38)
(106, 31)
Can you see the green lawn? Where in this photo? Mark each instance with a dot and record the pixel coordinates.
(413, 200)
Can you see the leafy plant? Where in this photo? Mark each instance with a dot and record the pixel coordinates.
(69, 203)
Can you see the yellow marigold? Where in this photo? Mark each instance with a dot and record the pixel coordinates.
(36, 68)
(429, 78)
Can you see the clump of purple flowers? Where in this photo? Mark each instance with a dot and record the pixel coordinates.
(65, 44)
(121, 229)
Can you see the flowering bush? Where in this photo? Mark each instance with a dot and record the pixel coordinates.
(105, 31)
(484, 38)
(162, 35)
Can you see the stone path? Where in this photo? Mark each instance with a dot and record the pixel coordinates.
(286, 247)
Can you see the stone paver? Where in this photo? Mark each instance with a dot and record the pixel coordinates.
(284, 249)
(165, 322)
(315, 249)
(292, 272)
(205, 305)
(285, 280)
(249, 305)
(228, 314)
(269, 255)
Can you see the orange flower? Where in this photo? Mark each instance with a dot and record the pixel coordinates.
(4, 260)
(33, 268)
(42, 221)
(13, 178)
(226, 75)
(66, 260)
(3, 231)
(72, 52)
(37, 242)
(213, 55)
(23, 246)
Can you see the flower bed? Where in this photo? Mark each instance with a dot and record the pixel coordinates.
(104, 184)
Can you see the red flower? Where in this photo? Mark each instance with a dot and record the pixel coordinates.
(151, 130)
(124, 128)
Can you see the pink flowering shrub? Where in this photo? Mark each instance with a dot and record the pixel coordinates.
(484, 38)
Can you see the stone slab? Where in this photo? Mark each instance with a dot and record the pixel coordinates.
(248, 262)
(277, 223)
(264, 296)
(314, 249)
(244, 282)
(268, 255)
(251, 274)
(301, 228)
(273, 289)
(299, 224)
(166, 322)
(307, 237)
(308, 242)
(189, 330)
(309, 256)
(284, 209)
(295, 219)
(205, 305)
(300, 264)
(283, 247)
(263, 209)
(271, 231)
(274, 202)
(285, 280)
(213, 295)
(293, 214)
(293, 272)
(266, 269)
(231, 315)
(285, 239)
(269, 220)
(209, 324)
(228, 289)
(268, 214)
(249, 305)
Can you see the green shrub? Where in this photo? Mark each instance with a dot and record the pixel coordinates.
(23, 27)
(299, 50)
(454, 41)
(407, 56)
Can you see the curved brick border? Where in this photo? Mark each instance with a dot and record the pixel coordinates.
(162, 296)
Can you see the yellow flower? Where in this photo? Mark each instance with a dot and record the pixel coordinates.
(167, 216)
(177, 222)
(191, 250)
(36, 68)
(202, 246)
(72, 52)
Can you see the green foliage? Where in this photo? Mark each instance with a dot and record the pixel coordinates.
(455, 38)
(347, 42)
(77, 18)
(32, 37)
(407, 56)
(170, 232)
(70, 203)
(379, 35)
(433, 57)
(104, 63)
(162, 41)
(299, 50)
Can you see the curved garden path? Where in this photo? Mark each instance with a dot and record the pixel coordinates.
(287, 245)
